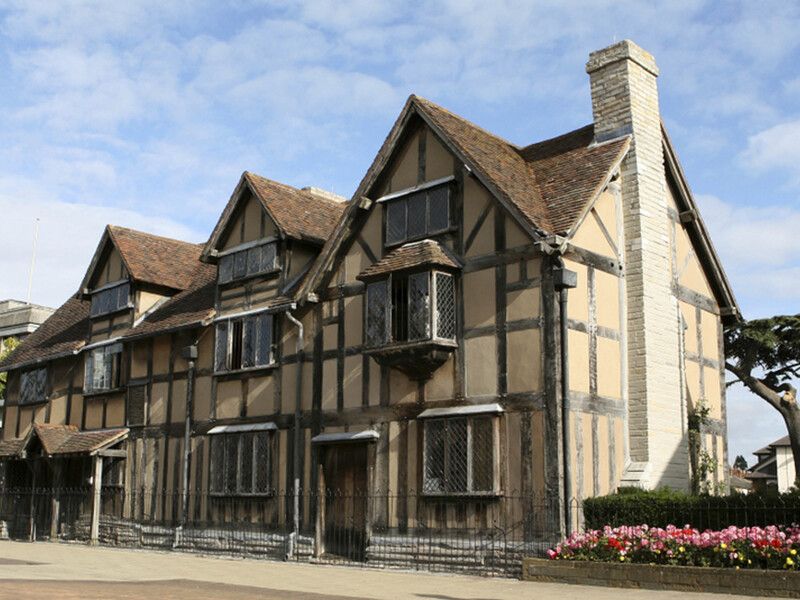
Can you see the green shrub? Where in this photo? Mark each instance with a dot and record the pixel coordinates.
(659, 508)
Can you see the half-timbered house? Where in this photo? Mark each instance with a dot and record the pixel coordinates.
(483, 332)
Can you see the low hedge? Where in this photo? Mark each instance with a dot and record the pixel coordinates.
(661, 508)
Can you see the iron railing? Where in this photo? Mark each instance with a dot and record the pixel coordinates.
(475, 534)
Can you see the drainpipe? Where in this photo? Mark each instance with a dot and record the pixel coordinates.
(563, 280)
(190, 354)
(297, 466)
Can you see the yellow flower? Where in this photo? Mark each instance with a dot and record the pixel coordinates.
(723, 545)
(681, 549)
(622, 559)
(749, 562)
(793, 552)
(789, 561)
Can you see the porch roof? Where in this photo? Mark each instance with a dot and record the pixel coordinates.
(62, 440)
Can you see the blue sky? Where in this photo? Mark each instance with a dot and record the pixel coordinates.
(145, 113)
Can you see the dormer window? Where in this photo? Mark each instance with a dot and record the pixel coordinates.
(417, 214)
(245, 262)
(411, 307)
(111, 298)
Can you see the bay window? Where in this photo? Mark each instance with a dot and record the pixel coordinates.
(410, 307)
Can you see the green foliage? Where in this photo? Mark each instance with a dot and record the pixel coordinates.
(740, 462)
(8, 347)
(663, 507)
(772, 345)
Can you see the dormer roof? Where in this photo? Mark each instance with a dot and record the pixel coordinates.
(148, 258)
(308, 214)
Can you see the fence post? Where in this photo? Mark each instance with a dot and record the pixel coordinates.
(97, 481)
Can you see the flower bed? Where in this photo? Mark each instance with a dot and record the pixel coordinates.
(734, 547)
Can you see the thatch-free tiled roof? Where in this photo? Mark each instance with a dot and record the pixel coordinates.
(425, 253)
(61, 440)
(551, 183)
(299, 214)
(63, 333)
(155, 259)
(191, 306)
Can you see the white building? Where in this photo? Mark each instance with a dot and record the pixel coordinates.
(775, 466)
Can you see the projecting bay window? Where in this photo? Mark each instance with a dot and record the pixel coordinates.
(460, 455)
(33, 386)
(241, 461)
(411, 307)
(244, 343)
(103, 368)
(418, 214)
(111, 299)
(247, 262)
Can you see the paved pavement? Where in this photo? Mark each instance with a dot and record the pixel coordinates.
(70, 571)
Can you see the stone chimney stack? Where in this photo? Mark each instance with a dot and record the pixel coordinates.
(625, 102)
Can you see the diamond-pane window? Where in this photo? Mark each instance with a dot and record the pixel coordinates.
(377, 305)
(241, 463)
(438, 209)
(396, 222)
(419, 306)
(247, 263)
(111, 299)
(418, 214)
(445, 306)
(407, 314)
(243, 343)
(33, 386)
(459, 455)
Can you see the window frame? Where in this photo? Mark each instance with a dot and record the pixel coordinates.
(240, 322)
(432, 322)
(40, 372)
(470, 491)
(405, 199)
(118, 285)
(115, 350)
(245, 250)
(217, 482)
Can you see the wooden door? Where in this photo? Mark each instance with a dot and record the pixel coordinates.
(345, 472)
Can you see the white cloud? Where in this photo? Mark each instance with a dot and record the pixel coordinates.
(68, 236)
(776, 148)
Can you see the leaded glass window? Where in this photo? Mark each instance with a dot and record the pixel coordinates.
(243, 343)
(460, 455)
(241, 463)
(111, 299)
(33, 386)
(248, 262)
(103, 368)
(417, 215)
(409, 312)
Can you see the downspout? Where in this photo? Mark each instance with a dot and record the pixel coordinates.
(563, 280)
(190, 354)
(296, 465)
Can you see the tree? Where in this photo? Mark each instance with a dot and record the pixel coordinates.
(764, 355)
(740, 463)
(6, 348)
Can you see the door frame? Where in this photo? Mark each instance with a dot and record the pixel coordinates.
(319, 526)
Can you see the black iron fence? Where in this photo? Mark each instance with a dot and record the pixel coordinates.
(475, 534)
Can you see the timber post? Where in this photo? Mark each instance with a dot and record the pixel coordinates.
(97, 482)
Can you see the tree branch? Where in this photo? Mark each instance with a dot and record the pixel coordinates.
(757, 386)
